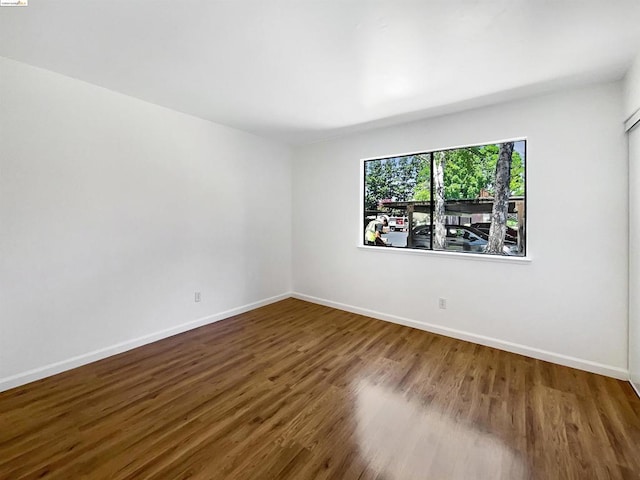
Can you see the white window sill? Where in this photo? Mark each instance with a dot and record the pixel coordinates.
(434, 253)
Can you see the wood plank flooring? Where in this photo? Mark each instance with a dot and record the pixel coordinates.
(301, 391)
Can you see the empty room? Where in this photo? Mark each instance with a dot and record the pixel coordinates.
(319, 239)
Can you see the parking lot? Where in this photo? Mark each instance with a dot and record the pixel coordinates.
(395, 239)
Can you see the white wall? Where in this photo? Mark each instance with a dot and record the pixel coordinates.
(631, 88)
(634, 257)
(113, 212)
(568, 305)
(632, 105)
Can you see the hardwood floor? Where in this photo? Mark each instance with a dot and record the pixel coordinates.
(301, 391)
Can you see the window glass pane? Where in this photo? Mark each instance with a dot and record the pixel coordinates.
(472, 199)
(395, 188)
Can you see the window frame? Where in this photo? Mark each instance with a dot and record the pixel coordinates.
(524, 258)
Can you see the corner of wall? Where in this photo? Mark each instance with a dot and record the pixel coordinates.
(631, 91)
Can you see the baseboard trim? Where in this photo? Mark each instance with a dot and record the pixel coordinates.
(89, 357)
(587, 365)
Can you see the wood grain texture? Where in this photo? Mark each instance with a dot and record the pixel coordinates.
(301, 391)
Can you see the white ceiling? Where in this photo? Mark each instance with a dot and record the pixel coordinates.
(301, 71)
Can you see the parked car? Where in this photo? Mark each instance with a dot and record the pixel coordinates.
(511, 235)
(398, 224)
(459, 238)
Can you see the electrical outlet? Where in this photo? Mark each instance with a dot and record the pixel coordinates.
(197, 297)
(442, 303)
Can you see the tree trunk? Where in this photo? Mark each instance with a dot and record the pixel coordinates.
(501, 199)
(409, 226)
(440, 234)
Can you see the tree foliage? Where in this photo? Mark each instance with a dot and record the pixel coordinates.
(422, 190)
(394, 179)
(471, 170)
(468, 172)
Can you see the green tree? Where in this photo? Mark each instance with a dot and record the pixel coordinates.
(471, 170)
(376, 187)
(394, 178)
(464, 176)
(517, 175)
(422, 188)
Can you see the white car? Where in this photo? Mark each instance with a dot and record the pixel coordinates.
(400, 224)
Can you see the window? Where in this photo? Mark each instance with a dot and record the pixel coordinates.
(469, 199)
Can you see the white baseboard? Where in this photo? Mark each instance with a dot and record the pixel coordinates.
(587, 365)
(77, 361)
